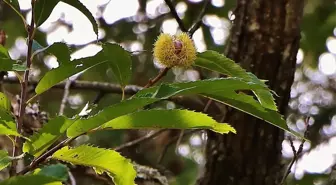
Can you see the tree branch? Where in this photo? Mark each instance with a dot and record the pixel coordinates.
(198, 21)
(18, 143)
(175, 15)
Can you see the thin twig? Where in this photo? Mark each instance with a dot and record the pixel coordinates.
(65, 97)
(198, 21)
(161, 74)
(72, 179)
(175, 15)
(23, 96)
(295, 153)
(139, 140)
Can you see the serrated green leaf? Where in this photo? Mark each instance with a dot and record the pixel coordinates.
(43, 9)
(45, 137)
(85, 124)
(201, 86)
(119, 61)
(31, 180)
(4, 159)
(5, 103)
(79, 6)
(57, 75)
(103, 159)
(172, 119)
(6, 63)
(214, 61)
(225, 91)
(57, 171)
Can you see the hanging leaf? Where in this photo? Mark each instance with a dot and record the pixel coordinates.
(214, 61)
(57, 171)
(31, 180)
(85, 124)
(119, 61)
(103, 159)
(172, 119)
(66, 70)
(7, 64)
(4, 159)
(48, 135)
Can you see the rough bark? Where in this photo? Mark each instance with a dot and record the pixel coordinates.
(264, 40)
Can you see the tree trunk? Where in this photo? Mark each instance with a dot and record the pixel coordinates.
(264, 40)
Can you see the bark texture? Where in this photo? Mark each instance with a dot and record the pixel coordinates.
(264, 40)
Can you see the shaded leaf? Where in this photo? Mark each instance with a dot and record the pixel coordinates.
(4, 159)
(43, 9)
(172, 119)
(57, 75)
(45, 137)
(119, 61)
(217, 62)
(35, 179)
(103, 159)
(85, 124)
(60, 50)
(57, 171)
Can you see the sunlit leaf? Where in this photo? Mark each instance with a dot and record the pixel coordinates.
(57, 171)
(119, 61)
(7, 123)
(172, 119)
(4, 159)
(217, 62)
(85, 124)
(30, 179)
(103, 159)
(45, 137)
(5, 102)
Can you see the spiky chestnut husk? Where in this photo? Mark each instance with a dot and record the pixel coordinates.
(175, 50)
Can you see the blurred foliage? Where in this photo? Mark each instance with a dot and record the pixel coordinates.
(312, 86)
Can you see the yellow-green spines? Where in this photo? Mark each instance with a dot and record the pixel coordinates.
(175, 50)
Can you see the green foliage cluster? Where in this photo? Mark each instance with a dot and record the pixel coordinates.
(128, 113)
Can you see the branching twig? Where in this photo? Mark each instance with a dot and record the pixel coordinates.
(139, 140)
(175, 15)
(198, 21)
(162, 73)
(295, 153)
(24, 85)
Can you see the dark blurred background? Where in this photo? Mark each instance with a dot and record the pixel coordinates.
(135, 24)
